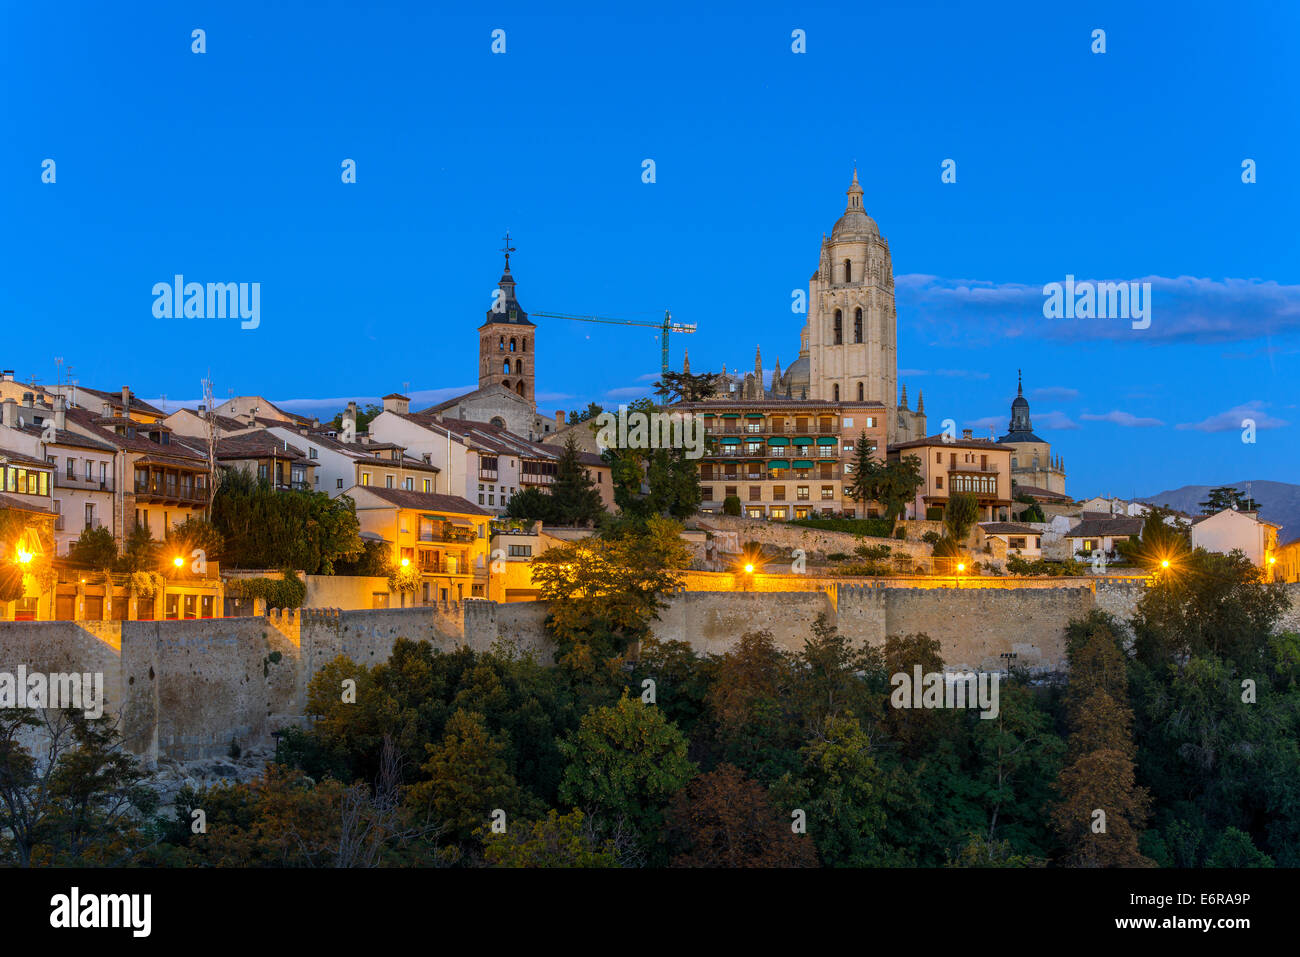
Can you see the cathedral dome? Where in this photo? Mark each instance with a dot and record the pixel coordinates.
(798, 376)
(855, 225)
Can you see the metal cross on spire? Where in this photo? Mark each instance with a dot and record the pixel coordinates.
(507, 249)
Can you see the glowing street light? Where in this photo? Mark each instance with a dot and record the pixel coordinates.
(1164, 563)
(178, 561)
(749, 569)
(405, 562)
(24, 558)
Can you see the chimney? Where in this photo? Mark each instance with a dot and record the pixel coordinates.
(352, 411)
(559, 418)
(126, 400)
(60, 413)
(395, 403)
(10, 418)
(203, 412)
(966, 433)
(107, 410)
(28, 400)
(7, 375)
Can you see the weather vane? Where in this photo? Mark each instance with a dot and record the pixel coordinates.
(507, 249)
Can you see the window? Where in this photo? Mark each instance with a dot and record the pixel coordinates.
(848, 270)
(72, 467)
(512, 345)
(756, 493)
(408, 484)
(388, 481)
(521, 551)
(480, 497)
(754, 512)
(731, 491)
(501, 344)
(311, 452)
(365, 478)
(837, 392)
(706, 493)
(519, 367)
(264, 472)
(801, 493)
(90, 471)
(938, 481)
(778, 493)
(857, 327)
(340, 483)
(871, 422)
(779, 512)
(1016, 542)
(505, 367)
(492, 499)
(838, 330)
(828, 492)
(90, 515)
(428, 485)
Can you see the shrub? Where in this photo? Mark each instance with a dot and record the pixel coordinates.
(862, 527)
(288, 591)
(731, 505)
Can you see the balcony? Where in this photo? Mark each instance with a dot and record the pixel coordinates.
(533, 478)
(447, 533)
(443, 567)
(487, 475)
(169, 493)
(81, 483)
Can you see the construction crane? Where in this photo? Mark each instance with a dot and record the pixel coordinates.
(665, 327)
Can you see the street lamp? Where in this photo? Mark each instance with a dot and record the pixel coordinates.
(24, 558)
(406, 562)
(178, 561)
(961, 567)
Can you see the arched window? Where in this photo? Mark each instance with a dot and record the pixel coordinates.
(506, 383)
(520, 388)
(502, 344)
(519, 367)
(860, 393)
(506, 367)
(523, 343)
(499, 422)
(857, 325)
(848, 270)
(837, 391)
(839, 327)
(512, 345)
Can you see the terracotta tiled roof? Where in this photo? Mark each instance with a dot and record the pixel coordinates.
(18, 458)
(258, 445)
(1113, 527)
(1008, 528)
(423, 501)
(21, 504)
(938, 440)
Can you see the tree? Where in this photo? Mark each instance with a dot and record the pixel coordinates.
(533, 505)
(867, 472)
(140, 551)
(268, 528)
(604, 592)
(751, 704)
(841, 789)
(687, 386)
(363, 418)
(626, 761)
(590, 412)
(560, 840)
(1225, 496)
(1101, 810)
(959, 514)
(649, 481)
(731, 505)
(95, 547)
(467, 778)
(576, 499)
(1034, 513)
(893, 484)
(725, 819)
(183, 538)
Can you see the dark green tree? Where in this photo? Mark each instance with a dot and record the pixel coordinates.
(576, 499)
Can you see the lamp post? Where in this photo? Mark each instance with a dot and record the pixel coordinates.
(961, 567)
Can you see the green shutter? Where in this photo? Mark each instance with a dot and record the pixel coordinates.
(729, 441)
(731, 415)
(778, 440)
(778, 464)
(826, 440)
(802, 464)
(803, 440)
(753, 415)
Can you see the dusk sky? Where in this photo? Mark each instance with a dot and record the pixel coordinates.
(226, 167)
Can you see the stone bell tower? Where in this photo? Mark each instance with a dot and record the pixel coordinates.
(506, 340)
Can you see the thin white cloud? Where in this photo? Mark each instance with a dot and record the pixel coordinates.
(1233, 419)
(1057, 393)
(1126, 419)
(1183, 309)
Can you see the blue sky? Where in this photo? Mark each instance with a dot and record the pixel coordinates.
(225, 167)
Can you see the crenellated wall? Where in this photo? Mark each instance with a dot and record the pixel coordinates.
(187, 689)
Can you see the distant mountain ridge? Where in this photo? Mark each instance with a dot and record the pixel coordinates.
(1279, 502)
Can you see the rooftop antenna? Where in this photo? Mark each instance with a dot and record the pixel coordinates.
(209, 421)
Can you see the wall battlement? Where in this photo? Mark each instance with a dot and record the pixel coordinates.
(187, 689)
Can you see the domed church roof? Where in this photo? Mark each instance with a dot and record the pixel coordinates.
(855, 225)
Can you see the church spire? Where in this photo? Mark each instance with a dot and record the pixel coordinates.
(854, 194)
(758, 361)
(902, 403)
(686, 363)
(1020, 383)
(920, 402)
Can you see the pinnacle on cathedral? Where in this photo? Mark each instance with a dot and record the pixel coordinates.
(686, 362)
(902, 403)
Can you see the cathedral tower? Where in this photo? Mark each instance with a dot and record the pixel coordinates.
(506, 340)
(851, 332)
